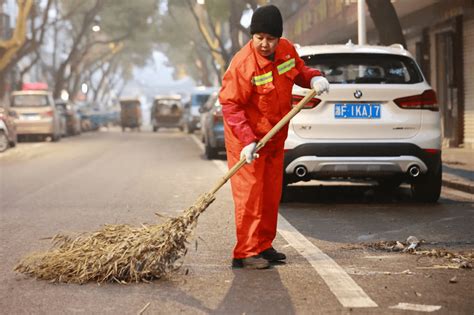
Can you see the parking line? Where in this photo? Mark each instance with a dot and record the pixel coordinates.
(346, 290)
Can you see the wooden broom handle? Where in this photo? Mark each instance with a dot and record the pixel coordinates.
(292, 113)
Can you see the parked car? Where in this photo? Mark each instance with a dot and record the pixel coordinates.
(191, 117)
(62, 119)
(130, 114)
(36, 114)
(113, 115)
(73, 119)
(167, 112)
(212, 127)
(380, 121)
(83, 113)
(8, 137)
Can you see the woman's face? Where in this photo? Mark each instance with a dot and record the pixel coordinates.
(265, 44)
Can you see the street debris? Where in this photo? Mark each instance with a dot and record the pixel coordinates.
(119, 253)
(416, 307)
(144, 309)
(457, 260)
(453, 280)
(360, 272)
(413, 243)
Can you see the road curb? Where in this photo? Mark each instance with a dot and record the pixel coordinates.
(458, 184)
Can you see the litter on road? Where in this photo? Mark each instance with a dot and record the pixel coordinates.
(416, 307)
(457, 260)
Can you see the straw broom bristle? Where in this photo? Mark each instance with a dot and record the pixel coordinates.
(117, 252)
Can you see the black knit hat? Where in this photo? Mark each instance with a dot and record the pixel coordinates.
(267, 19)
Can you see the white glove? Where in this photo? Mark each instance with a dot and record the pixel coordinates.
(320, 85)
(249, 152)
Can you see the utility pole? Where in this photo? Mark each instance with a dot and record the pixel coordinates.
(362, 31)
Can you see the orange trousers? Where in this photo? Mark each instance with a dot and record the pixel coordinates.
(256, 189)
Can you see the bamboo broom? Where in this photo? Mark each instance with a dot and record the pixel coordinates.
(124, 253)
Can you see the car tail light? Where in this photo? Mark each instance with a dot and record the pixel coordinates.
(425, 100)
(311, 104)
(432, 151)
(47, 114)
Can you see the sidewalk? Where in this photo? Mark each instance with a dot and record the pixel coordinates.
(458, 169)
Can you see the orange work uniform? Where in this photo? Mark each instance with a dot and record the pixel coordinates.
(255, 95)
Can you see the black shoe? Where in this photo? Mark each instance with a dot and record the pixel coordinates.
(271, 254)
(254, 262)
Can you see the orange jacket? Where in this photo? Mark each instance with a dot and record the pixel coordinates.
(256, 92)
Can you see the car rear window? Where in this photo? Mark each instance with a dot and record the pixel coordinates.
(199, 99)
(166, 106)
(30, 100)
(349, 68)
(129, 105)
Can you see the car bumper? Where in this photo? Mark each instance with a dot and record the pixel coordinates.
(167, 123)
(357, 160)
(33, 128)
(218, 142)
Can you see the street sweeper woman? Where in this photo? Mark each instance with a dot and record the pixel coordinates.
(255, 95)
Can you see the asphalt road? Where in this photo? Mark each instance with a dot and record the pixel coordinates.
(83, 182)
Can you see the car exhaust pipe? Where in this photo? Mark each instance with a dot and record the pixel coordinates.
(301, 171)
(414, 171)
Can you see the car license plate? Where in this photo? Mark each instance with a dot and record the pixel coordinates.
(30, 117)
(357, 111)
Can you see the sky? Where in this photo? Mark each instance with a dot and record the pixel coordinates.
(156, 78)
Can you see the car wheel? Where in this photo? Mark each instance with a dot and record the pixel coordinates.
(427, 188)
(13, 143)
(55, 138)
(209, 152)
(286, 195)
(189, 129)
(3, 141)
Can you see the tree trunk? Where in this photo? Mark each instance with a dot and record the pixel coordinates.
(234, 22)
(386, 21)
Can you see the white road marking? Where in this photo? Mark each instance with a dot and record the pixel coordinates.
(220, 164)
(416, 307)
(198, 142)
(346, 290)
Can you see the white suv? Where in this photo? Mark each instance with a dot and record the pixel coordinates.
(379, 122)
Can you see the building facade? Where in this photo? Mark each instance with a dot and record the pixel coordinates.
(439, 33)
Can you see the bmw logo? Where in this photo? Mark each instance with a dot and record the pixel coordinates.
(358, 94)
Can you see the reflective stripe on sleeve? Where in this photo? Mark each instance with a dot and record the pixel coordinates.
(263, 79)
(286, 66)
